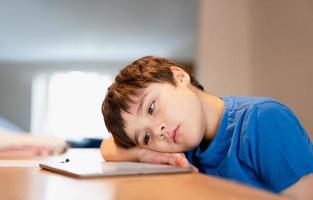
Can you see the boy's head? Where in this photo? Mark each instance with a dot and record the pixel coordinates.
(128, 84)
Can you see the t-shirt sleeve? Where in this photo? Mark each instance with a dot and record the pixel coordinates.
(277, 146)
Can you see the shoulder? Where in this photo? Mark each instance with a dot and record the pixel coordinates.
(262, 108)
(270, 117)
(271, 106)
(256, 110)
(272, 114)
(249, 105)
(259, 103)
(270, 126)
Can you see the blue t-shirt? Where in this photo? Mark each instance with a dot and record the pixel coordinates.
(260, 142)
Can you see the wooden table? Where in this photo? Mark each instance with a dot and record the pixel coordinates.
(23, 179)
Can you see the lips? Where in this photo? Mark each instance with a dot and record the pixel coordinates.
(175, 134)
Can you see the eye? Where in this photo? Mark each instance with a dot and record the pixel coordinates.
(151, 108)
(146, 138)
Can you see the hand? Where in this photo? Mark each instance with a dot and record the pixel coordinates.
(175, 159)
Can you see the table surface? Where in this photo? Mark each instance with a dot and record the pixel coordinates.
(23, 179)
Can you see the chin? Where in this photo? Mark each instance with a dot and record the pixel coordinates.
(193, 142)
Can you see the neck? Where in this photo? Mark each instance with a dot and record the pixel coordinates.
(213, 109)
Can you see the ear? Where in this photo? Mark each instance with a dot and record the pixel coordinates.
(180, 75)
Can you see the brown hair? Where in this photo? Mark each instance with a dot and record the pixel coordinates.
(130, 81)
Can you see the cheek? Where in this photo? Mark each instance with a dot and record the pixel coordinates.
(176, 105)
(194, 138)
(189, 107)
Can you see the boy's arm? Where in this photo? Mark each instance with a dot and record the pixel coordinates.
(300, 190)
(110, 151)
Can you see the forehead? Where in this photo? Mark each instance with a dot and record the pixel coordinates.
(130, 117)
(140, 94)
(135, 101)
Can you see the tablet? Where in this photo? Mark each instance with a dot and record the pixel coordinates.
(102, 168)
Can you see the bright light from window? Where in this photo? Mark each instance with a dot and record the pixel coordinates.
(74, 102)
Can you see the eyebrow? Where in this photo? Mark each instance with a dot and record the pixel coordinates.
(142, 100)
(136, 137)
(139, 109)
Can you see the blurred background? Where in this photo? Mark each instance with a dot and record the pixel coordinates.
(57, 58)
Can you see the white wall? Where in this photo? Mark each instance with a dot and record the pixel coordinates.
(260, 48)
(16, 85)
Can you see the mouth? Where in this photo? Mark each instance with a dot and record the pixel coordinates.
(175, 133)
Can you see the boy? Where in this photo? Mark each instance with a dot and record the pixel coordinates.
(159, 113)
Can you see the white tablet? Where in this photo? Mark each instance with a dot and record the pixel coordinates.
(101, 169)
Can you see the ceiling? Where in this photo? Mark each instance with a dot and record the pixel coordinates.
(96, 30)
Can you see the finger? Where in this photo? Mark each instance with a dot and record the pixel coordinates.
(194, 169)
(163, 159)
(181, 162)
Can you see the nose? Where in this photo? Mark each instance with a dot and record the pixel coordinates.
(161, 130)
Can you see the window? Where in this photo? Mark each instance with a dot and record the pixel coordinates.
(68, 104)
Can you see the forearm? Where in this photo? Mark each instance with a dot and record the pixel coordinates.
(112, 152)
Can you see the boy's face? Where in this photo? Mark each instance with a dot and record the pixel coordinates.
(166, 118)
